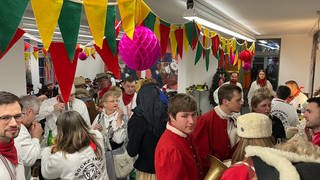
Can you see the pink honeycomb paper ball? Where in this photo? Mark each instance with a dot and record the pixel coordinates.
(142, 51)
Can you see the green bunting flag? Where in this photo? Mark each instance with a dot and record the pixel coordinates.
(69, 24)
(198, 53)
(192, 34)
(109, 30)
(189, 30)
(11, 12)
(207, 59)
(149, 21)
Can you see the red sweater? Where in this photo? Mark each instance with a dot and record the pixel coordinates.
(175, 159)
(211, 137)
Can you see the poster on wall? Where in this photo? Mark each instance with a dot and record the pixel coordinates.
(164, 71)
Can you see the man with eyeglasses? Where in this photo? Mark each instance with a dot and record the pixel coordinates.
(11, 166)
(30, 132)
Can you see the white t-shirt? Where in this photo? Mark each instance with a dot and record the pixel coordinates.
(80, 165)
(285, 112)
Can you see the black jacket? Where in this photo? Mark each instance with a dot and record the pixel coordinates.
(145, 127)
(143, 142)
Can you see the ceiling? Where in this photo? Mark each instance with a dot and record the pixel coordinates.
(258, 18)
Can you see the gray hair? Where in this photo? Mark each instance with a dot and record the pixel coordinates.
(30, 102)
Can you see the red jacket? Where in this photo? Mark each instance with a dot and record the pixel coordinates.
(211, 137)
(175, 159)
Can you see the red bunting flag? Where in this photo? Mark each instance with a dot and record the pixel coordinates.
(215, 44)
(13, 41)
(64, 69)
(164, 37)
(109, 60)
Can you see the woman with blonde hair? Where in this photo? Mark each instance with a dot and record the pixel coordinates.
(111, 122)
(261, 103)
(77, 152)
(252, 129)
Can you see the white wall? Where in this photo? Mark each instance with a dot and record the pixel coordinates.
(12, 70)
(90, 67)
(295, 59)
(189, 74)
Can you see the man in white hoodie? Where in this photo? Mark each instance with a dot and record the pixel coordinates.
(30, 133)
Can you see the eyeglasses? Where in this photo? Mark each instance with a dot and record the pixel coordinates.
(113, 101)
(7, 118)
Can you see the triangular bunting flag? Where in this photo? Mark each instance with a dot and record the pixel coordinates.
(11, 12)
(157, 27)
(109, 31)
(15, 38)
(164, 37)
(64, 69)
(69, 24)
(127, 10)
(173, 41)
(36, 54)
(46, 14)
(142, 11)
(149, 21)
(198, 53)
(96, 12)
(109, 60)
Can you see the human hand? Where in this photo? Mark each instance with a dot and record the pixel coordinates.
(36, 130)
(59, 107)
(97, 127)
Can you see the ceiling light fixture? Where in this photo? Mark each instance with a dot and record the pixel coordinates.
(217, 27)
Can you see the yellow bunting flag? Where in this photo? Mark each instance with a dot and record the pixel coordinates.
(47, 15)
(142, 11)
(96, 11)
(26, 56)
(173, 41)
(235, 59)
(36, 54)
(157, 28)
(206, 32)
(127, 10)
(185, 39)
(239, 64)
(252, 48)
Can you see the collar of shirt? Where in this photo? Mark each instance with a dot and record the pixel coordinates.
(176, 131)
(221, 113)
(110, 117)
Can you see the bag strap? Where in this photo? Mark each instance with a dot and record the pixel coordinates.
(5, 162)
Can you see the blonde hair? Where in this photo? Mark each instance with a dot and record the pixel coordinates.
(239, 153)
(73, 134)
(114, 91)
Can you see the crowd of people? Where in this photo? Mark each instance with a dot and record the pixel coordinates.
(44, 137)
